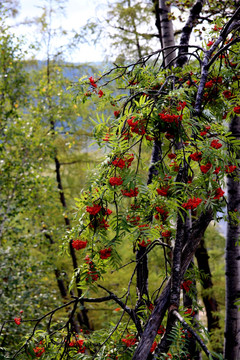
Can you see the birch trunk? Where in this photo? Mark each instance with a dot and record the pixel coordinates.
(167, 33)
(232, 321)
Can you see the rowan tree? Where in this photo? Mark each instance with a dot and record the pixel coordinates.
(126, 33)
(136, 119)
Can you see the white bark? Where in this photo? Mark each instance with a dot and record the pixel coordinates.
(167, 33)
(232, 321)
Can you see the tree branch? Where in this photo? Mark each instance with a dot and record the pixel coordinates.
(187, 30)
(129, 311)
(196, 336)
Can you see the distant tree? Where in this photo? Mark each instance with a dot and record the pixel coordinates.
(41, 125)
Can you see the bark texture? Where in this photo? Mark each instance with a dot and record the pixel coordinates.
(187, 30)
(157, 20)
(167, 33)
(175, 283)
(232, 321)
(209, 300)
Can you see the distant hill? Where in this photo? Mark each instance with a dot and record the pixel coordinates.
(70, 70)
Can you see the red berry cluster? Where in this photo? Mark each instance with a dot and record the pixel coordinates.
(161, 330)
(230, 168)
(236, 109)
(170, 118)
(105, 253)
(94, 85)
(115, 181)
(218, 193)
(205, 168)
(93, 210)
(172, 156)
(134, 220)
(186, 285)
(192, 203)
(125, 162)
(39, 351)
(79, 344)
(181, 106)
(162, 211)
(106, 137)
(92, 272)
(98, 220)
(138, 126)
(92, 82)
(197, 156)
(216, 144)
(130, 193)
(163, 191)
(227, 94)
(129, 340)
(210, 43)
(189, 311)
(17, 320)
(144, 244)
(153, 347)
(166, 233)
(205, 131)
(79, 244)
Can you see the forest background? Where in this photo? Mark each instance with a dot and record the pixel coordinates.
(47, 126)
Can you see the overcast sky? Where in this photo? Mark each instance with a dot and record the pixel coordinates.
(77, 12)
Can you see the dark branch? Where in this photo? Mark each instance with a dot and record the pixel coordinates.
(187, 30)
(194, 334)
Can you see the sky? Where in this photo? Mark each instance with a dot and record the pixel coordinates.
(77, 12)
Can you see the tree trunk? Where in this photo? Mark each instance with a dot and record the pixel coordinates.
(232, 321)
(157, 21)
(187, 30)
(167, 33)
(209, 300)
(82, 315)
(198, 228)
(142, 274)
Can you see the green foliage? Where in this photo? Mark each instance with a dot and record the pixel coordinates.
(129, 26)
(32, 216)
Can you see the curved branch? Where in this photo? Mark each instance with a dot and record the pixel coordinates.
(194, 334)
